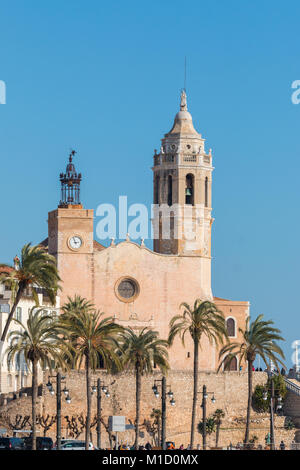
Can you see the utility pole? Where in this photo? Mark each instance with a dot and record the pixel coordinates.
(58, 411)
(204, 392)
(99, 414)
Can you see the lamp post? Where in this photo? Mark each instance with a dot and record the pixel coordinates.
(98, 388)
(205, 394)
(272, 403)
(163, 406)
(59, 379)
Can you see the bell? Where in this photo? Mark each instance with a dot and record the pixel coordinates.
(188, 192)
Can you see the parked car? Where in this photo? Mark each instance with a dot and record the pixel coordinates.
(11, 443)
(75, 445)
(42, 443)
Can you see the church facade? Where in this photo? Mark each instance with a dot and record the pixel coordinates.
(137, 286)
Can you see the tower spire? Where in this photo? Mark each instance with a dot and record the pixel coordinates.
(70, 185)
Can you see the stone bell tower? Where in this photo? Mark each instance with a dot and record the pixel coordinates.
(182, 188)
(70, 237)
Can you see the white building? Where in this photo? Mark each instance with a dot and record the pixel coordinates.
(14, 377)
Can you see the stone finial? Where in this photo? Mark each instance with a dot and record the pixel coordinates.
(183, 102)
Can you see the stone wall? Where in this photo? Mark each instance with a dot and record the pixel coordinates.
(230, 390)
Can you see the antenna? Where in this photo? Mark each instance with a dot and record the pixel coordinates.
(184, 73)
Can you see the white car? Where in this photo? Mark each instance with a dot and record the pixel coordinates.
(75, 445)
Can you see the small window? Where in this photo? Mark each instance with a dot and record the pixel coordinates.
(18, 314)
(170, 190)
(156, 190)
(4, 308)
(230, 325)
(206, 192)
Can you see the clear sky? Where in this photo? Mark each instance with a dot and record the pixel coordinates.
(105, 77)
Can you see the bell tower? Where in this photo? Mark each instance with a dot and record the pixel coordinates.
(182, 177)
(70, 237)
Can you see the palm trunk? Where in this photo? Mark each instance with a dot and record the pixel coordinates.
(195, 393)
(33, 402)
(137, 404)
(250, 365)
(11, 314)
(88, 402)
(217, 434)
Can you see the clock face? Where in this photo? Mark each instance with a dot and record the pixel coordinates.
(75, 242)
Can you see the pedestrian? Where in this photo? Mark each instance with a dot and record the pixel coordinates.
(148, 446)
(282, 445)
(181, 447)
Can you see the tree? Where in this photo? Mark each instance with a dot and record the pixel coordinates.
(156, 429)
(259, 403)
(36, 268)
(258, 338)
(91, 336)
(203, 319)
(38, 342)
(140, 351)
(218, 416)
(210, 426)
(46, 422)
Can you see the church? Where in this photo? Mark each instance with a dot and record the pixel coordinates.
(139, 287)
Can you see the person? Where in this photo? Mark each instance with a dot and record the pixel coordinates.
(148, 446)
(241, 368)
(282, 445)
(181, 447)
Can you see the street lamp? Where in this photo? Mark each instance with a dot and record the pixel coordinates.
(97, 388)
(205, 394)
(272, 408)
(59, 379)
(163, 406)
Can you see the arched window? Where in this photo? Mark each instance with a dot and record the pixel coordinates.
(189, 189)
(206, 192)
(170, 188)
(230, 326)
(156, 190)
(232, 366)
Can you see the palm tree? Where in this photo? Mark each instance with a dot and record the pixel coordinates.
(91, 337)
(218, 416)
(140, 351)
(204, 318)
(38, 343)
(258, 338)
(36, 268)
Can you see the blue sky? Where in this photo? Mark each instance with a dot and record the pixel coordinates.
(104, 78)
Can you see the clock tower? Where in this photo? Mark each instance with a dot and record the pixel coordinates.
(70, 237)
